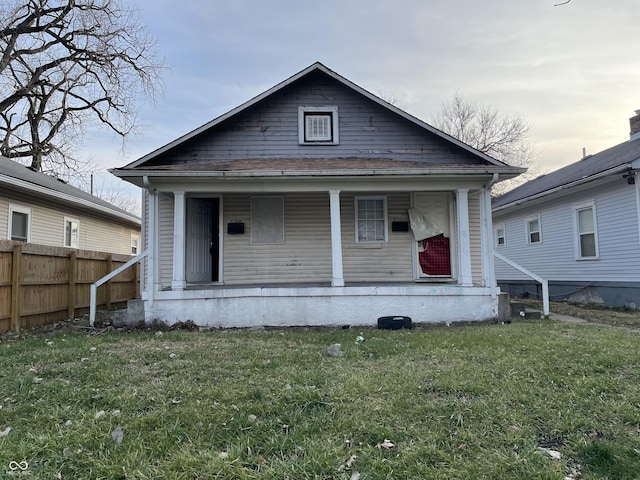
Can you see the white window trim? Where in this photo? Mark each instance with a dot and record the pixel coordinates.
(335, 134)
(137, 239)
(19, 209)
(500, 226)
(386, 218)
(64, 231)
(528, 233)
(575, 208)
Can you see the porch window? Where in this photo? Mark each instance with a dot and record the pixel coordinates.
(585, 230)
(71, 233)
(318, 125)
(534, 234)
(371, 219)
(19, 223)
(267, 220)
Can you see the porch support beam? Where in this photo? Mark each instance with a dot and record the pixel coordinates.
(464, 242)
(152, 275)
(337, 279)
(178, 282)
(488, 269)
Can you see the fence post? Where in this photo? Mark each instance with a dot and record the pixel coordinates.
(15, 289)
(73, 272)
(107, 299)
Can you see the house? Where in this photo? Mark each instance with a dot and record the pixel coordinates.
(578, 228)
(38, 208)
(294, 209)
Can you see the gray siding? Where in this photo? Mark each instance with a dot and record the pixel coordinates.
(269, 129)
(554, 258)
(475, 232)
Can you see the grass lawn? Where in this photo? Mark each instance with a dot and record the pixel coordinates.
(460, 402)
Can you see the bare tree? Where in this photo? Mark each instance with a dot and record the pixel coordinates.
(67, 65)
(502, 136)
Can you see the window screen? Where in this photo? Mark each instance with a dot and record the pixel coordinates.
(371, 219)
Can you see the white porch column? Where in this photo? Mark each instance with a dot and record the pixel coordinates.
(464, 245)
(488, 269)
(152, 259)
(179, 214)
(336, 239)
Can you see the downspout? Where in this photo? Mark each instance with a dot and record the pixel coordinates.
(491, 277)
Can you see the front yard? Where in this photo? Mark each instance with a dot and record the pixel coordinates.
(544, 400)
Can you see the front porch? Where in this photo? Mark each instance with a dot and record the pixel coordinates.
(358, 304)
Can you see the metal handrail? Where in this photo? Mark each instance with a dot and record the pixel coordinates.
(538, 278)
(106, 278)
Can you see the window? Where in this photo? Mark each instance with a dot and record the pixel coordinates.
(318, 125)
(585, 227)
(134, 245)
(534, 235)
(71, 233)
(371, 219)
(267, 220)
(501, 240)
(19, 223)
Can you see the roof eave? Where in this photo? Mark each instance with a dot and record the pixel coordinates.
(24, 185)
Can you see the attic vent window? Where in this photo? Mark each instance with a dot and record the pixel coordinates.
(318, 125)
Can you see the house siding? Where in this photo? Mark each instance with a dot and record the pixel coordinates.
(269, 129)
(555, 258)
(47, 226)
(165, 231)
(475, 235)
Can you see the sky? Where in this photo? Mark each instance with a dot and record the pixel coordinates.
(571, 71)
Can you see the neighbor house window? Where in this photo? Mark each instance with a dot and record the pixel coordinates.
(71, 233)
(371, 219)
(500, 236)
(586, 233)
(534, 234)
(318, 125)
(134, 245)
(19, 223)
(267, 220)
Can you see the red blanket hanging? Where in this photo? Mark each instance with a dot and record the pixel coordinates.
(435, 257)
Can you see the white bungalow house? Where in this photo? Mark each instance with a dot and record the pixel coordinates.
(317, 203)
(578, 228)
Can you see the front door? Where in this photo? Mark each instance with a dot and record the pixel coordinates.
(435, 207)
(202, 240)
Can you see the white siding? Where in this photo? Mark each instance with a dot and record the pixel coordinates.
(475, 232)
(165, 248)
(4, 218)
(555, 257)
(391, 261)
(305, 255)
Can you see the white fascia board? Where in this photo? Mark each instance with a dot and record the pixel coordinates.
(67, 198)
(613, 171)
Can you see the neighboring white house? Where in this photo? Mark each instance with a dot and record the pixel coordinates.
(293, 209)
(38, 208)
(577, 227)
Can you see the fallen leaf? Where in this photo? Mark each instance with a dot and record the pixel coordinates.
(355, 476)
(223, 455)
(552, 453)
(99, 414)
(5, 432)
(387, 444)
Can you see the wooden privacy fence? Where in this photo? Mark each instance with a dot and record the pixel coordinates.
(41, 284)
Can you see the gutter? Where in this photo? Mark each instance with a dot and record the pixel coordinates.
(67, 198)
(616, 170)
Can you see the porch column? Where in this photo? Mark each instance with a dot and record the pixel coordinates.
(152, 259)
(488, 271)
(178, 282)
(464, 245)
(336, 239)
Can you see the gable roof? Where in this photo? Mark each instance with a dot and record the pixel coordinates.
(614, 160)
(18, 176)
(307, 71)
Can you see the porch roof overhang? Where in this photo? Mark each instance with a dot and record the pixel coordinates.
(312, 170)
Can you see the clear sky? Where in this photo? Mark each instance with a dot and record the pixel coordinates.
(571, 71)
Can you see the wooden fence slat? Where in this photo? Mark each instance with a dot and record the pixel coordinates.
(73, 272)
(15, 289)
(107, 300)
